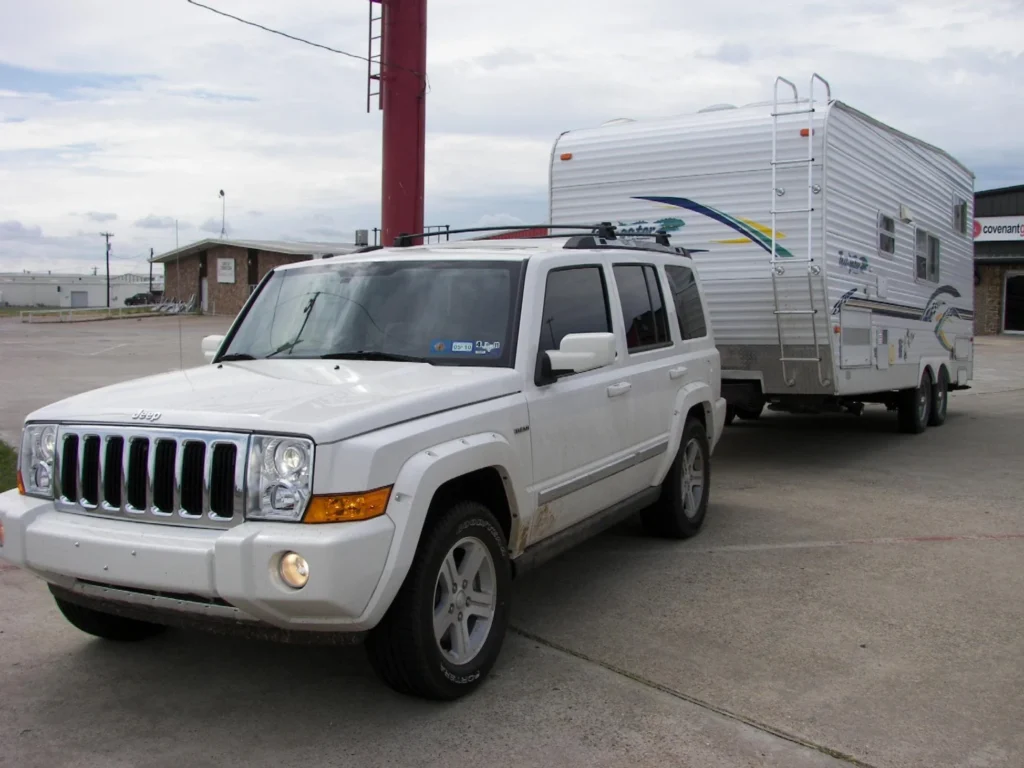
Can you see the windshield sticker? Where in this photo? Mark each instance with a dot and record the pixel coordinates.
(446, 347)
(488, 348)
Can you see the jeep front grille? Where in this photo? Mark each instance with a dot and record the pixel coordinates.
(157, 475)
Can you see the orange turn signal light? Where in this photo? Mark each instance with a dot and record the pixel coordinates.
(806, 132)
(349, 507)
(21, 483)
(566, 156)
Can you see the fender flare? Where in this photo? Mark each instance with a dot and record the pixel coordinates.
(697, 393)
(414, 489)
(933, 365)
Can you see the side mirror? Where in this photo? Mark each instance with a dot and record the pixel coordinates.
(581, 352)
(210, 346)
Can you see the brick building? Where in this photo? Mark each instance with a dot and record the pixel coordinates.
(999, 261)
(221, 273)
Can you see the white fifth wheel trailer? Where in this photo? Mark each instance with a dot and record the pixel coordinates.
(835, 252)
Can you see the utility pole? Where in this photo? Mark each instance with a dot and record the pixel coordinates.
(107, 236)
(150, 274)
(403, 100)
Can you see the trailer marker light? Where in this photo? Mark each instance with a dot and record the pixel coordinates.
(805, 132)
(566, 156)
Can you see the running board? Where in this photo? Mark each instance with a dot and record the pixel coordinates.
(561, 542)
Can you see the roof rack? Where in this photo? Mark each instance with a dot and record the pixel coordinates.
(605, 230)
(597, 236)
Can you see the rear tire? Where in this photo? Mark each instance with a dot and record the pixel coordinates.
(107, 625)
(419, 648)
(680, 511)
(915, 406)
(940, 400)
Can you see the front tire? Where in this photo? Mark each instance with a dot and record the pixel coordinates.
(915, 406)
(107, 625)
(680, 511)
(445, 628)
(940, 400)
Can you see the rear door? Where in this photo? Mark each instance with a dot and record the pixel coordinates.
(656, 366)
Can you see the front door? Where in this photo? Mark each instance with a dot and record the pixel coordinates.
(579, 424)
(1013, 311)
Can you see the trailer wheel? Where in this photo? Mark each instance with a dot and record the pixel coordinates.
(915, 407)
(749, 414)
(940, 400)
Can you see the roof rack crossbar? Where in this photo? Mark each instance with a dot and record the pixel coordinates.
(604, 229)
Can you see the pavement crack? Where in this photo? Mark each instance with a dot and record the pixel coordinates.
(646, 682)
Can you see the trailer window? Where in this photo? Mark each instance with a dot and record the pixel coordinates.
(886, 234)
(686, 296)
(960, 216)
(927, 257)
(575, 301)
(643, 308)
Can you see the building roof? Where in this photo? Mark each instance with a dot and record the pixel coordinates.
(288, 247)
(1000, 191)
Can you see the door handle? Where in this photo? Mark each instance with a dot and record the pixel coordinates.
(619, 389)
(677, 373)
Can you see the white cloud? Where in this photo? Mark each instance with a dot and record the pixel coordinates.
(130, 108)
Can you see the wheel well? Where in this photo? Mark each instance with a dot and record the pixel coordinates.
(699, 412)
(485, 486)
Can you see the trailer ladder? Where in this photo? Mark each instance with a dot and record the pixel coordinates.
(815, 273)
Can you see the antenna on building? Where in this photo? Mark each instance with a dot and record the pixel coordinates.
(223, 212)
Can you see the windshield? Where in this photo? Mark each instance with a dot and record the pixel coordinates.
(444, 313)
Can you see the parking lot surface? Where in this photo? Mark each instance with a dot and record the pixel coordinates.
(854, 599)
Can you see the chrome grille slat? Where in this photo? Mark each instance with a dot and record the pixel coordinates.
(101, 475)
(78, 449)
(208, 477)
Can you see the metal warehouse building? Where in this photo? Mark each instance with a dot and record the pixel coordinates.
(999, 261)
(220, 273)
(70, 291)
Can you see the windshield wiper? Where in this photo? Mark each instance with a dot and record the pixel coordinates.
(236, 356)
(288, 346)
(373, 355)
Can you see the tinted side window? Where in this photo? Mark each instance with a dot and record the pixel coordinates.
(575, 301)
(642, 307)
(687, 300)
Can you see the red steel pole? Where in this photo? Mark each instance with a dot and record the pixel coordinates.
(404, 95)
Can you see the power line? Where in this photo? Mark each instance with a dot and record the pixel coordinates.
(302, 39)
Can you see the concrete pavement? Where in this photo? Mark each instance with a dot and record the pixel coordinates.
(854, 599)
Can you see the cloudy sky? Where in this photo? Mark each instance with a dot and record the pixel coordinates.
(128, 115)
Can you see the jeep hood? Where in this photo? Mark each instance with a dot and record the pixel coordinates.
(326, 400)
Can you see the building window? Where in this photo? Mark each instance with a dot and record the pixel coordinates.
(926, 255)
(960, 216)
(886, 234)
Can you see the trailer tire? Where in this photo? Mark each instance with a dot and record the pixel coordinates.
(749, 414)
(940, 399)
(915, 406)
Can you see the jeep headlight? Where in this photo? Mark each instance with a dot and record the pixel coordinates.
(38, 446)
(280, 478)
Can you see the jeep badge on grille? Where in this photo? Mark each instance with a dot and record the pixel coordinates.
(146, 415)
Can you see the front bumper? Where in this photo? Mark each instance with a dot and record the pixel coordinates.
(222, 574)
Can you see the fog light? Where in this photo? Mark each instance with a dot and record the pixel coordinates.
(294, 570)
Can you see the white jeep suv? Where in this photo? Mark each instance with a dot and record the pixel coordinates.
(378, 445)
